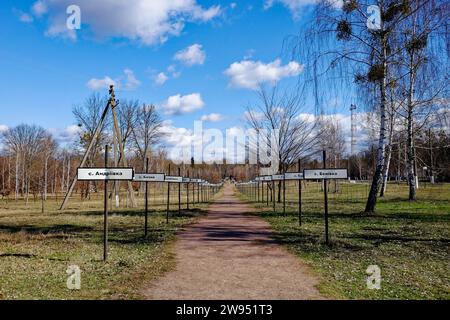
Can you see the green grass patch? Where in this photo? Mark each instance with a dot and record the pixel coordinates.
(37, 248)
(409, 241)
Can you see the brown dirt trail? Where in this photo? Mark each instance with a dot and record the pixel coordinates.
(230, 255)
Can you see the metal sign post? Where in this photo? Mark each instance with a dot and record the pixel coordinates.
(146, 200)
(106, 174)
(179, 192)
(105, 212)
(187, 191)
(284, 194)
(299, 177)
(325, 174)
(299, 195)
(147, 177)
(168, 199)
(325, 189)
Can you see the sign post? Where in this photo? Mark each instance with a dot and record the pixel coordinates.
(168, 199)
(299, 195)
(325, 174)
(325, 192)
(179, 193)
(105, 174)
(147, 177)
(105, 212)
(297, 176)
(146, 199)
(187, 191)
(284, 194)
(276, 177)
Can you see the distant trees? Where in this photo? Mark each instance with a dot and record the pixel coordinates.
(30, 146)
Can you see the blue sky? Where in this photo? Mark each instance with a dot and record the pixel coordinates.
(47, 69)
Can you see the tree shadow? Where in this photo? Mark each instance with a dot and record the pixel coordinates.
(54, 229)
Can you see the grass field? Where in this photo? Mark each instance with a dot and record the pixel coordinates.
(37, 248)
(409, 241)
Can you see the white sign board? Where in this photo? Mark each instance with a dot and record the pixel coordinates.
(325, 174)
(105, 174)
(174, 179)
(149, 177)
(266, 178)
(293, 175)
(276, 177)
(186, 180)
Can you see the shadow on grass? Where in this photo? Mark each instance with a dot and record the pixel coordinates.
(54, 229)
(140, 213)
(402, 216)
(17, 255)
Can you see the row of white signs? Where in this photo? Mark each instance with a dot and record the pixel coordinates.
(128, 174)
(307, 174)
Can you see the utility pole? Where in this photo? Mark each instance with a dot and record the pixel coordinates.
(112, 103)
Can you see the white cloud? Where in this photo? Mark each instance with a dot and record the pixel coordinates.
(212, 117)
(25, 17)
(179, 104)
(161, 78)
(127, 82)
(191, 55)
(233, 5)
(3, 128)
(250, 74)
(296, 6)
(147, 22)
(39, 8)
(99, 84)
(131, 83)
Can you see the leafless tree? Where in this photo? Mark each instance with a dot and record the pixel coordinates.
(146, 131)
(281, 127)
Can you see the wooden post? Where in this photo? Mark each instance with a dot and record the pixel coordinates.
(299, 196)
(146, 199)
(179, 192)
(168, 198)
(105, 211)
(325, 192)
(198, 190)
(273, 194)
(187, 192)
(284, 192)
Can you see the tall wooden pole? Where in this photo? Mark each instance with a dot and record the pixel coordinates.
(86, 155)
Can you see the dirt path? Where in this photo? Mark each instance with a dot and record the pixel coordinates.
(230, 255)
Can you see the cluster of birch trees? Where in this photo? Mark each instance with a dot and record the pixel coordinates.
(393, 54)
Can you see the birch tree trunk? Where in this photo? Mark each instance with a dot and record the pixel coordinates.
(410, 132)
(373, 193)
